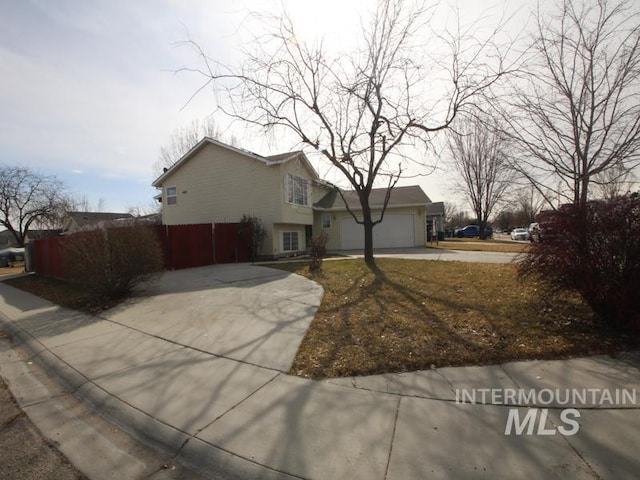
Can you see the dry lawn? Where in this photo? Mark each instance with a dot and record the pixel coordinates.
(11, 270)
(63, 293)
(414, 315)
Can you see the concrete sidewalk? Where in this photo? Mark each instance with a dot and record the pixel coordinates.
(233, 412)
(422, 253)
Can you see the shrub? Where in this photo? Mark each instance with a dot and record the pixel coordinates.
(595, 250)
(317, 251)
(113, 259)
(253, 231)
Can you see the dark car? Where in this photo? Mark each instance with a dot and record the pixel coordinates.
(471, 231)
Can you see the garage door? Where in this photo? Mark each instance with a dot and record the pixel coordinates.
(394, 231)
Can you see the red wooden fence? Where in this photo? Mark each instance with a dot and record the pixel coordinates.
(184, 246)
(47, 256)
(230, 247)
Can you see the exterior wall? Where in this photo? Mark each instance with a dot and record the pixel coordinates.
(219, 185)
(333, 233)
(290, 227)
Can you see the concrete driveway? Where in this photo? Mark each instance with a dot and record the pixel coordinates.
(421, 253)
(247, 313)
(221, 404)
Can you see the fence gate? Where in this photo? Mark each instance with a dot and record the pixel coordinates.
(47, 256)
(230, 247)
(186, 246)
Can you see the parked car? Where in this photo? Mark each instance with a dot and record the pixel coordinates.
(471, 231)
(519, 234)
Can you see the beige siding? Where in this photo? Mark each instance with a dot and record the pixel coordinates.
(333, 233)
(219, 185)
(278, 229)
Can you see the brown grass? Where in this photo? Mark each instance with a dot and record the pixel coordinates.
(11, 270)
(412, 315)
(63, 293)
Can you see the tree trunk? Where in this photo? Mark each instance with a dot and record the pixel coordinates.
(368, 240)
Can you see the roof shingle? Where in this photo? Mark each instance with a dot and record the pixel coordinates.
(413, 195)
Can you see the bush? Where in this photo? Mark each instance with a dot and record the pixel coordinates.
(594, 250)
(113, 259)
(253, 232)
(317, 251)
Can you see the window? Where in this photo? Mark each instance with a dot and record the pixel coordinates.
(297, 190)
(290, 241)
(172, 195)
(326, 220)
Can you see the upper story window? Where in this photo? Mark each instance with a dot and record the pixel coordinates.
(297, 190)
(326, 220)
(172, 195)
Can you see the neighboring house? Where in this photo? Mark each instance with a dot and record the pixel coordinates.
(40, 234)
(218, 183)
(75, 221)
(435, 221)
(6, 239)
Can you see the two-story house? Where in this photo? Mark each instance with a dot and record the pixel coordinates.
(219, 183)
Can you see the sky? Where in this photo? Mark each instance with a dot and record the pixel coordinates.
(89, 90)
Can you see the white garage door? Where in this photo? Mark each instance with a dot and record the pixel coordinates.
(394, 231)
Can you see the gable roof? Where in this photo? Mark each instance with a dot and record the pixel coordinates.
(400, 197)
(435, 209)
(268, 161)
(82, 219)
(39, 234)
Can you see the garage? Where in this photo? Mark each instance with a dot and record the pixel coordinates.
(396, 230)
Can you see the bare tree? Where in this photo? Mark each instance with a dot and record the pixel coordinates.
(81, 203)
(479, 157)
(362, 110)
(29, 198)
(614, 182)
(454, 217)
(576, 111)
(529, 203)
(184, 139)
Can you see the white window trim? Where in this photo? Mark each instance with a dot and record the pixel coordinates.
(289, 180)
(297, 241)
(174, 196)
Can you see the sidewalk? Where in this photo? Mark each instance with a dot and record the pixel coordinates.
(232, 418)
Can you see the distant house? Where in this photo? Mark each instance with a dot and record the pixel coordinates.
(219, 183)
(6, 239)
(75, 221)
(435, 221)
(40, 234)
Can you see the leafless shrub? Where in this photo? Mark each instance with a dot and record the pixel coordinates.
(317, 251)
(113, 259)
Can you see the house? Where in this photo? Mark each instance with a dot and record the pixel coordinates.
(219, 183)
(403, 224)
(75, 221)
(435, 221)
(6, 239)
(33, 235)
